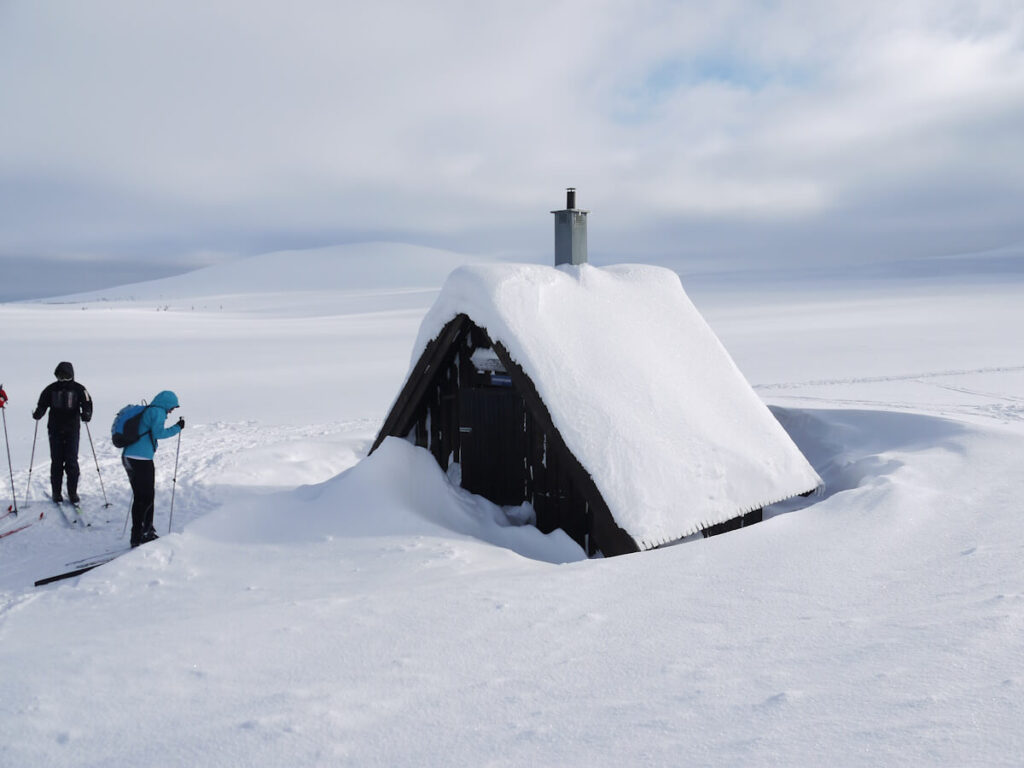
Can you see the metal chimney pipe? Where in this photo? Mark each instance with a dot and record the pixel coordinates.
(570, 232)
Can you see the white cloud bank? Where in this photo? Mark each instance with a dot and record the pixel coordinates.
(794, 129)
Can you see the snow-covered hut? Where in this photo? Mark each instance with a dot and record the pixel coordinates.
(599, 396)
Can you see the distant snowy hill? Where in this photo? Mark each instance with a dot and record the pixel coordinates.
(342, 268)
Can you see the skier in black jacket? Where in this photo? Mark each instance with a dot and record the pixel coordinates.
(69, 403)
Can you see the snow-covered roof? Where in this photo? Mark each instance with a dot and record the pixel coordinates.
(640, 388)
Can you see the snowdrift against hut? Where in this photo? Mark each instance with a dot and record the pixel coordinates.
(640, 388)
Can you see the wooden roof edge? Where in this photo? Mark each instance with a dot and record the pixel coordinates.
(647, 545)
(398, 420)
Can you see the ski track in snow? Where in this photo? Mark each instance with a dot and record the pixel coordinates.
(975, 404)
(900, 377)
(1003, 414)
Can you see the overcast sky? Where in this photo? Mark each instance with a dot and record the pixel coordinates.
(145, 138)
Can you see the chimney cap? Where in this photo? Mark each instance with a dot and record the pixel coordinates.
(570, 202)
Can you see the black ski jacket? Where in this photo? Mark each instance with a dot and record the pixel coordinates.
(68, 401)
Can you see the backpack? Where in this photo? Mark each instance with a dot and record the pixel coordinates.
(125, 429)
(64, 399)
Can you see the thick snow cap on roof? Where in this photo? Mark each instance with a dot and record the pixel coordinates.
(640, 388)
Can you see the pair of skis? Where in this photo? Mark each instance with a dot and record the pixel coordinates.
(78, 519)
(18, 526)
(78, 567)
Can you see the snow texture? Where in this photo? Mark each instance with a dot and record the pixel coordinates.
(314, 607)
(640, 388)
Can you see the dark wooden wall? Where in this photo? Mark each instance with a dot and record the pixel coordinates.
(507, 454)
(501, 433)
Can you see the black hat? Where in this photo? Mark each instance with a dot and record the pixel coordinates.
(64, 371)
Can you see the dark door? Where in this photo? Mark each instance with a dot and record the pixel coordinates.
(493, 444)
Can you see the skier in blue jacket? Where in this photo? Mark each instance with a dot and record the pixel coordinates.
(138, 462)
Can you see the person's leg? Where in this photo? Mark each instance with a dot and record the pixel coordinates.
(147, 487)
(71, 441)
(130, 471)
(140, 475)
(56, 465)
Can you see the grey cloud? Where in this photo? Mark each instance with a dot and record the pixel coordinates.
(881, 130)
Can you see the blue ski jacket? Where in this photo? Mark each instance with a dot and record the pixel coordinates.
(151, 427)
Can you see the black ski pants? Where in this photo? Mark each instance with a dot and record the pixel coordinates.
(64, 460)
(142, 476)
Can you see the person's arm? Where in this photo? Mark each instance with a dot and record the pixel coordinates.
(44, 403)
(161, 432)
(86, 406)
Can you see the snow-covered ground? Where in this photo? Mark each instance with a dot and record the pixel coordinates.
(313, 607)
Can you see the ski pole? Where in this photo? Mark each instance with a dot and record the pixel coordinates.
(9, 465)
(127, 515)
(104, 490)
(174, 482)
(131, 502)
(31, 461)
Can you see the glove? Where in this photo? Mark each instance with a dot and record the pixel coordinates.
(87, 419)
(37, 415)
(181, 423)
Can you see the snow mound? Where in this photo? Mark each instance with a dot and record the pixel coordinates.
(398, 491)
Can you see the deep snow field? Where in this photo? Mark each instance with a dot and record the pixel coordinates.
(316, 607)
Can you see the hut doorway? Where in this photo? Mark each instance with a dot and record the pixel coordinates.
(493, 443)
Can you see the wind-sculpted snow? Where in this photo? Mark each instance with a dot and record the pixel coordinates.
(399, 491)
(314, 608)
(850, 448)
(366, 620)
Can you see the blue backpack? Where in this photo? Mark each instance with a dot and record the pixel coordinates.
(125, 429)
